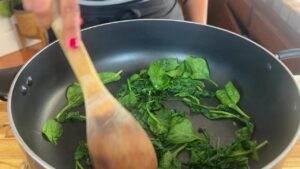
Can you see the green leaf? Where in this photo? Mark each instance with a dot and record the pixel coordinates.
(232, 92)
(129, 100)
(158, 76)
(224, 98)
(75, 116)
(156, 125)
(169, 160)
(218, 114)
(75, 96)
(158, 145)
(81, 156)
(177, 72)
(197, 67)
(81, 151)
(200, 152)
(181, 131)
(78, 165)
(189, 86)
(134, 77)
(165, 115)
(108, 77)
(52, 130)
(245, 133)
(161, 70)
(169, 64)
(230, 99)
(166, 161)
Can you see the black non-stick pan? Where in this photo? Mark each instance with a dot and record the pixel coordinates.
(268, 91)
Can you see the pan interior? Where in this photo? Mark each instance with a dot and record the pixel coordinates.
(268, 93)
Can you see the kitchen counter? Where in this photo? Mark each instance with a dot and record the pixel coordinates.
(11, 155)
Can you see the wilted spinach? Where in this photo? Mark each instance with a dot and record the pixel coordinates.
(145, 95)
(52, 129)
(81, 156)
(230, 97)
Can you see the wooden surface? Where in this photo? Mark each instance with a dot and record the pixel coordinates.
(19, 57)
(258, 21)
(11, 155)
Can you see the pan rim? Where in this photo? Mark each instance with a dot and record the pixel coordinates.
(42, 162)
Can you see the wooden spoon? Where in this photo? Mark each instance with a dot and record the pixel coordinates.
(115, 138)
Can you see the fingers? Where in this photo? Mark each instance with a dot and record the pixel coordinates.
(42, 9)
(70, 14)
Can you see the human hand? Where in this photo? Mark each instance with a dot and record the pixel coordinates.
(70, 14)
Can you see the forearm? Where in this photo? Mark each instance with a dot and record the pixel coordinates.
(195, 10)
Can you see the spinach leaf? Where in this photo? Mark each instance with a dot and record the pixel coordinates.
(197, 68)
(168, 64)
(81, 151)
(230, 97)
(81, 156)
(74, 116)
(169, 161)
(177, 72)
(108, 77)
(158, 76)
(52, 130)
(156, 125)
(212, 113)
(161, 72)
(128, 100)
(218, 114)
(181, 131)
(245, 133)
(232, 92)
(75, 97)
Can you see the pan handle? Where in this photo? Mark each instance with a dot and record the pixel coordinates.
(6, 77)
(290, 54)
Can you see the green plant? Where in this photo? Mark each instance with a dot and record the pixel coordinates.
(7, 6)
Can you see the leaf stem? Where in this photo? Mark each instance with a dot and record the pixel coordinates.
(79, 165)
(179, 149)
(241, 112)
(213, 82)
(62, 112)
(250, 151)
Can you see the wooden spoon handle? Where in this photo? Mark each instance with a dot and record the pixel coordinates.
(80, 62)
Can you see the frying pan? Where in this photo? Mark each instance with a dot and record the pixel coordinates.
(268, 91)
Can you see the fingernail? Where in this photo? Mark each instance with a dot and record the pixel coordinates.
(81, 20)
(73, 43)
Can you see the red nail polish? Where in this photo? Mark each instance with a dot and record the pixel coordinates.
(73, 43)
(81, 20)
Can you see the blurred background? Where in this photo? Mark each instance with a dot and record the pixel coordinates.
(275, 24)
